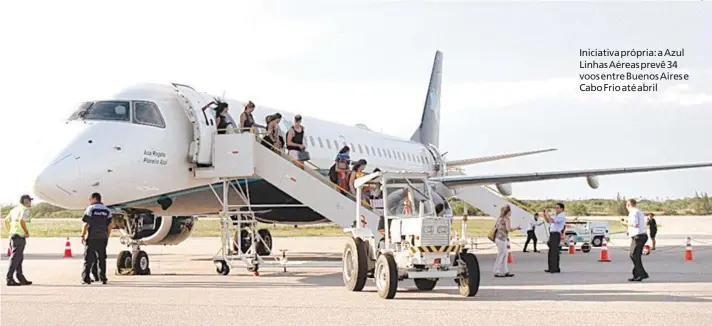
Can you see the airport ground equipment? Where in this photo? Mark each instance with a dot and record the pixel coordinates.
(240, 156)
(586, 234)
(416, 241)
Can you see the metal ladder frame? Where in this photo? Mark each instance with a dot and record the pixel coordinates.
(245, 220)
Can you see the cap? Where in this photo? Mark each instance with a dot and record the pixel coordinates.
(344, 157)
(25, 197)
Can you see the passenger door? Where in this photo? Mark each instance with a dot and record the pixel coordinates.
(199, 110)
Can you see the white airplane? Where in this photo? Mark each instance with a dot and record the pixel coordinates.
(144, 148)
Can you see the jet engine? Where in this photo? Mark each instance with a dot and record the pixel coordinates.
(505, 189)
(592, 181)
(156, 230)
(395, 198)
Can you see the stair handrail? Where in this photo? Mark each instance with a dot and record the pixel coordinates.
(311, 171)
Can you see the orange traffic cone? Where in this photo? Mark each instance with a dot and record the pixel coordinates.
(688, 249)
(510, 258)
(604, 252)
(572, 248)
(68, 249)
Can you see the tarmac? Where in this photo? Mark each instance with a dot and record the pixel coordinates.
(184, 289)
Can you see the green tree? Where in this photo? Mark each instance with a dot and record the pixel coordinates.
(578, 209)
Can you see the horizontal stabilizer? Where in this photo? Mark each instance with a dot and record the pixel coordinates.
(463, 181)
(483, 159)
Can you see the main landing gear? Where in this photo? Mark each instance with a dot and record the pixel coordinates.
(134, 262)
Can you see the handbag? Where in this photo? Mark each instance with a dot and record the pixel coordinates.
(303, 156)
(493, 233)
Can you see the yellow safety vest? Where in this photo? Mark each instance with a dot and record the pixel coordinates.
(16, 214)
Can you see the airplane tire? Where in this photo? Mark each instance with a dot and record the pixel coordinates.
(262, 249)
(124, 262)
(224, 269)
(355, 264)
(425, 284)
(245, 241)
(140, 263)
(469, 283)
(386, 276)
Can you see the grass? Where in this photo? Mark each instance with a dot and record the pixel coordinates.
(211, 228)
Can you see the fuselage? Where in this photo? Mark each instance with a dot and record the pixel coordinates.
(138, 155)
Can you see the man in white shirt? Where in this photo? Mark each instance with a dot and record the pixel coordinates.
(556, 226)
(531, 235)
(636, 232)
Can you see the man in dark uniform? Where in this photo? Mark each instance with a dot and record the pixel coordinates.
(653, 228)
(95, 236)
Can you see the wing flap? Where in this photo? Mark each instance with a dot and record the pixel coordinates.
(461, 181)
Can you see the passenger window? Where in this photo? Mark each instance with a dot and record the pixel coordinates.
(359, 148)
(147, 113)
(105, 110)
(311, 139)
(367, 151)
(389, 153)
(379, 151)
(328, 143)
(336, 145)
(353, 148)
(321, 144)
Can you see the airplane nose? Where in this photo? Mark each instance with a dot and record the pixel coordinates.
(54, 185)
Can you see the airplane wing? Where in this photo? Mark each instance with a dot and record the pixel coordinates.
(460, 181)
(483, 159)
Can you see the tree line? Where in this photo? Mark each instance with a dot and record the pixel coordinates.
(700, 204)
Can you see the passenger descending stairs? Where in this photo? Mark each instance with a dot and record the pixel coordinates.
(242, 153)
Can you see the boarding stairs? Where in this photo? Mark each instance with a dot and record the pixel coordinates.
(241, 155)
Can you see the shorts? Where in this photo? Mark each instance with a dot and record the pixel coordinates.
(652, 234)
(294, 154)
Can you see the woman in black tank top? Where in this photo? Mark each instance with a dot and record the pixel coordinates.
(221, 119)
(295, 138)
(247, 121)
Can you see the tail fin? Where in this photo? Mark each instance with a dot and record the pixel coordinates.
(428, 133)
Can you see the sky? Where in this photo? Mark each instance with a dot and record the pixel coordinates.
(510, 77)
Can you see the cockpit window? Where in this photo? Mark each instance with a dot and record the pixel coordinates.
(147, 113)
(104, 110)
(108, 110)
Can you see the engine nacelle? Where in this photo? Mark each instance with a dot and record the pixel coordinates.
(592, 181)
(504, 188)
(160, 230)
(395, 197)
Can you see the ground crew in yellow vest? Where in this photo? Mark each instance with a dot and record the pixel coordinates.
(18, 224)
